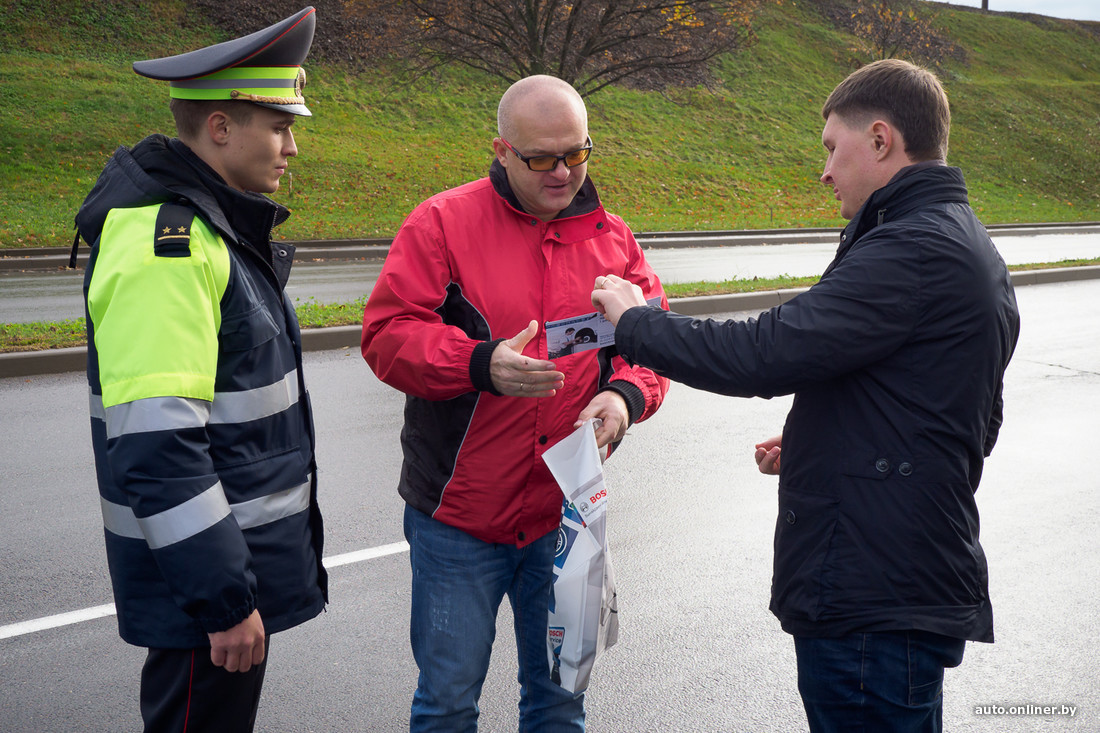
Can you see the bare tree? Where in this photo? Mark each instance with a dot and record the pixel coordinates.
(588, 43)
(345, 35)
(892, 28)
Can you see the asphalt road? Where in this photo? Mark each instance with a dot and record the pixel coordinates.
(690, 525)
(56, 295)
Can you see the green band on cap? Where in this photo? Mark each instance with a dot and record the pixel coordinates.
(269, 84)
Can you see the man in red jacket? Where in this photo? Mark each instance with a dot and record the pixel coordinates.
(457, 322)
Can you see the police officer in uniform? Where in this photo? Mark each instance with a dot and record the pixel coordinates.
(201, 423)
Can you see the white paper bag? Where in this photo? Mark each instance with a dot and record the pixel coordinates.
(583, 614)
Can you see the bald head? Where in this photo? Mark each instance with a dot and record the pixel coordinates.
(542, 117)
(538, 97)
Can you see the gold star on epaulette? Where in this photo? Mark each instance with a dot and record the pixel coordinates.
(171, 234)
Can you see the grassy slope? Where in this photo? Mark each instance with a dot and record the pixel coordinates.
(745, 154)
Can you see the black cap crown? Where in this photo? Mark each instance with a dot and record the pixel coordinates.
(264, 67)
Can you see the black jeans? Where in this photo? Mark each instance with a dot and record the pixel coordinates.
(183, 692)
(890, 681)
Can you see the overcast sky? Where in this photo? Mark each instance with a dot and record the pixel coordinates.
(1075, 9)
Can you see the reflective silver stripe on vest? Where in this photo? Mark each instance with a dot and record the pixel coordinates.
(154, 413)
(95, 406)
(202, 512)
(176, 413)
(120, 520)
(172, 525)
(253, 404)
(272, 507)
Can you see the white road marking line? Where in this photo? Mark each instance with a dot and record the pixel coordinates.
(89, 614)
(61, 619)
(368, 554)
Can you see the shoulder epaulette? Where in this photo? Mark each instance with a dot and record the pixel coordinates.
(173, 233)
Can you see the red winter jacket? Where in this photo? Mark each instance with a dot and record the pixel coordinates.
(467, 269)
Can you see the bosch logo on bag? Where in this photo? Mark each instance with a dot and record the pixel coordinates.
(592, 507)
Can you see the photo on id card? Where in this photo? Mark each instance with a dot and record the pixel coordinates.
(581, 333)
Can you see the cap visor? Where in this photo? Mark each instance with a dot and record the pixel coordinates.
(294, 109)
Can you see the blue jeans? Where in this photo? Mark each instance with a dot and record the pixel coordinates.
(880, 681)
(458, 583)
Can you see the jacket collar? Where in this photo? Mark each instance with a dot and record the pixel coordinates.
(914, 168)
(911, 188)
(242, 216)
(585, 202)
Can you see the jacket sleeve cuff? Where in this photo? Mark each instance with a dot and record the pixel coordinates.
(625, 331)
(233, 617)
(479, 367)
(632, 394)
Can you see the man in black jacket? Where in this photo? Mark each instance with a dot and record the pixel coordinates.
(896, 360)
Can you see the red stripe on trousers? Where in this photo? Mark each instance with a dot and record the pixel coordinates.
(190, 683)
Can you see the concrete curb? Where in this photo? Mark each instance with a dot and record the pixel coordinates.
(55, 361)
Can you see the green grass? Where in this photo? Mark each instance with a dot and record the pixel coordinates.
(728, 287)
(311, 314)
(743, 154)
(41, 335)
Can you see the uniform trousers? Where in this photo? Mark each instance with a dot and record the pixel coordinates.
(183, 692)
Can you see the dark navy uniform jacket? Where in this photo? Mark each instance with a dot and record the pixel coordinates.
(201, 422)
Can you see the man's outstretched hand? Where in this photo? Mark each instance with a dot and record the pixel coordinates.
(517, 375)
